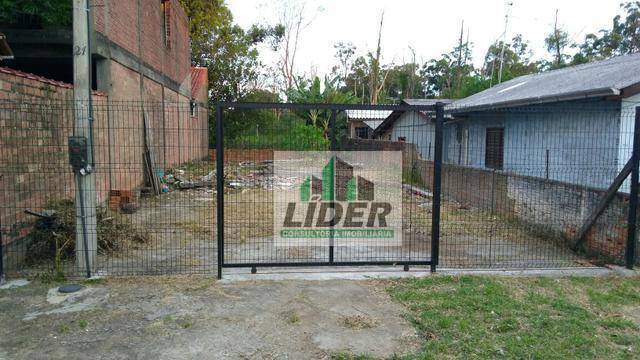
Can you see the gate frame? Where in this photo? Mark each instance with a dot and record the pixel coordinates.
(438, 108)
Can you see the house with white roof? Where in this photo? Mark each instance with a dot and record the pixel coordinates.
(362, 123)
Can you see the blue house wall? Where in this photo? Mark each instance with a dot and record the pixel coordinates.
(576, 142)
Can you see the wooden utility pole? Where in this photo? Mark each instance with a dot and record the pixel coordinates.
(85, 194)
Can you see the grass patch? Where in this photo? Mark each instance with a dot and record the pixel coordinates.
(483, 317)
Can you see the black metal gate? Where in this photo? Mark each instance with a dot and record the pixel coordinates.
(249, 135)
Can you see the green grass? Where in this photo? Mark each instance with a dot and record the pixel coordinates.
(523, 318)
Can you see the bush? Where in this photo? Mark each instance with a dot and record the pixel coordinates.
(55, 239)
(287, 134)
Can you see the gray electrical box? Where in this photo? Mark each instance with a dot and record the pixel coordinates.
(78, 152)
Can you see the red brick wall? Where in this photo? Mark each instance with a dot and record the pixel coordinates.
(118, 21)
(237, 155)
(126, 129)
(36, 118)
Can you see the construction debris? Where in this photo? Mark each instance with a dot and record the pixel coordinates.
(244, 175)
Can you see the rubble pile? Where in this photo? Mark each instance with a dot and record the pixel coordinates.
(244, 175)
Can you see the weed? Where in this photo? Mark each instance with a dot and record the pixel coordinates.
(55, 238)
(64, 328)
(95, 281)
(186, 325)
(483, 317)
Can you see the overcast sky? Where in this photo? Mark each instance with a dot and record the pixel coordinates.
(430, 27)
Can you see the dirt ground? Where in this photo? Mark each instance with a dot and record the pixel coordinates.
(194, 317)
(181, 228)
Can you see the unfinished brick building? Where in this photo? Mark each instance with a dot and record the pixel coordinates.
(143, 82)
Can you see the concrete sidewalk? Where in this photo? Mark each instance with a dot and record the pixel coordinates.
(231, 275)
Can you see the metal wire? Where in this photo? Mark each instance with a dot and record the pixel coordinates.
(549, 166)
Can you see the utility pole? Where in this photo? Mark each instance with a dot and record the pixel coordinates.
(556, 35)
(458, 80)
(80, 145)
(504, 40)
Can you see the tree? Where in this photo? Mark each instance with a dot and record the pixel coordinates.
(293, 21)
(344, 54)
(228, 51)
(557, 41)
(358, 79)
(377, 75)
(622, 38)
(627, 31)
(36, 13)
(404, 82)
(516, 60)
(328, 92)
(446, 77)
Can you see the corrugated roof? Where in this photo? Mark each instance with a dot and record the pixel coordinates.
(596, 79)
(395, 115)
(368, 114)
(198, 79)
(426, 101)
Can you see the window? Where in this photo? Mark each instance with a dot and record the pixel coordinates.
(402, 138)
(494, 154)
(362, 132)
(165, 5)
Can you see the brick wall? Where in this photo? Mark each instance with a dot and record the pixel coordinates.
(143, 36)
(36, 118)
(239, 155)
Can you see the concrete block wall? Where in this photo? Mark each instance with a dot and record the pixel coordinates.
(553, 209)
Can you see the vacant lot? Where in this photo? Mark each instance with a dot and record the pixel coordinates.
(180, 230)
(181, 226)
(432, 317)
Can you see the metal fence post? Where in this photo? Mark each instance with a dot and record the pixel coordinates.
(437, 182)
(633, 194)
(220, 188)
(334, 145)
(1, 256)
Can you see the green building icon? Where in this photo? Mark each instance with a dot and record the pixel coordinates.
(337, 184)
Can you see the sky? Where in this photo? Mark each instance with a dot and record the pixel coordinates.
(430, 27)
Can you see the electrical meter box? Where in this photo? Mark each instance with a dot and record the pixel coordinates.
(78, 152)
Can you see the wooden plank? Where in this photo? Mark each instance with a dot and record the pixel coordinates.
(602, 205)
(149, 158)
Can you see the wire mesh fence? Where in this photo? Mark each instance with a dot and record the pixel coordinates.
(284, 151)
(527, 187)
(140, 229)
(528, 181)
